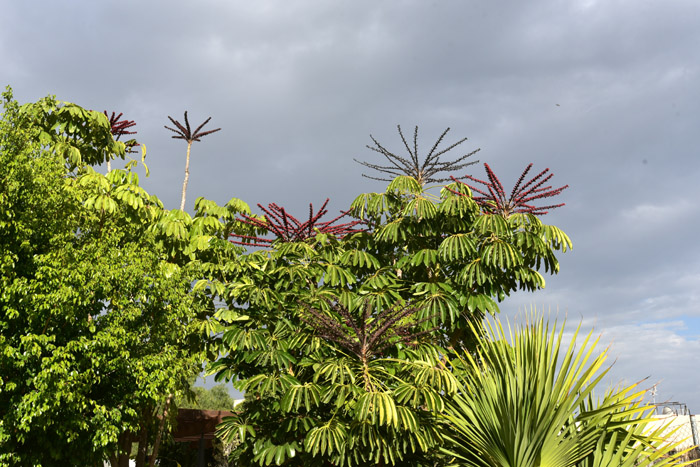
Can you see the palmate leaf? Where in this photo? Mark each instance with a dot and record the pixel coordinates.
(473, 275)
(457, 247)
(500, 255)
(392, 231)
(440, 306)
(374, 205)
(328, 439)
(419, 396)
(377, 407)
(420, 207)
(525, 221)
(268, 453)
(307, 395)
(426, 257)
(492, 224)
(404, 184)
(231, 428)
(338, 370)
(336, 275)
(359, 258)
(482, 302)
(267, 385)
(237, 338)
(556, 237)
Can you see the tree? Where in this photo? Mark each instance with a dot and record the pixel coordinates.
(185, 132)
(343, 355)
(98, 319)
(216, 398)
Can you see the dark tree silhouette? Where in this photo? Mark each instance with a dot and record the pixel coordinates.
(425, 171)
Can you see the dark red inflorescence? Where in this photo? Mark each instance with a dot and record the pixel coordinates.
(120, 128)
(492, 197)
(287, 228)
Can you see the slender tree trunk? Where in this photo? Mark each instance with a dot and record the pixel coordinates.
(123, 450)
(143, 438)
(187, 177)
(109, 166)
(161, 426)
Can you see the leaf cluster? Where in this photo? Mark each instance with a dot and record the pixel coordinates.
(524, 400)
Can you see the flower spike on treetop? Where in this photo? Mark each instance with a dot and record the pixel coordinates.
(184, 132)
(425, 171)
(494, 199)
(288, 228)
(119, 128)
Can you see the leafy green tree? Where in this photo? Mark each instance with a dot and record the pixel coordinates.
(216, 398)
(522, 402)
(99, 325)
(342, 357)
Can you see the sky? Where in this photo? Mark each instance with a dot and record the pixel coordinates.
(604, 93)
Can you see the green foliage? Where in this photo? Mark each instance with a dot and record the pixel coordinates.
(216, 398)
(313, 395)
(109, 303)
(98, 320)
(521, 402)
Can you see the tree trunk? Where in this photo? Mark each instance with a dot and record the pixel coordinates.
(143, 438)
(159, 434)
(123, 450)
(187, 177)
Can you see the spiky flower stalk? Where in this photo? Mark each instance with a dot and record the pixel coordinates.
(423, 171)
(492, 197)
(184, 132)
(119, 128)
(288, 228)
(369, 336)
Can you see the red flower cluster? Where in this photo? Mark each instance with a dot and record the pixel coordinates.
(493, 198)
(288, 228)
(119, 128)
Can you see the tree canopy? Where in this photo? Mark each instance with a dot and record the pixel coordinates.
(99, 326)
(341, 331)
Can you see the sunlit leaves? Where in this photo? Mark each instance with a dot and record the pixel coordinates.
(457, 247)
(525, 399)
(327, 439)
(357, 393)
(100, 323)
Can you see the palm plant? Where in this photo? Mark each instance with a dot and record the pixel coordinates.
(522, 404)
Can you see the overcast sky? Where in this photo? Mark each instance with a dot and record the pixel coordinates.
(604, 93)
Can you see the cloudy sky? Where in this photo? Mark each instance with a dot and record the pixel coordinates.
(604, 93)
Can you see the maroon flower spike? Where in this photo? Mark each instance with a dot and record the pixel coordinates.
(119, 128)
(492, 198)
(288, 228)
